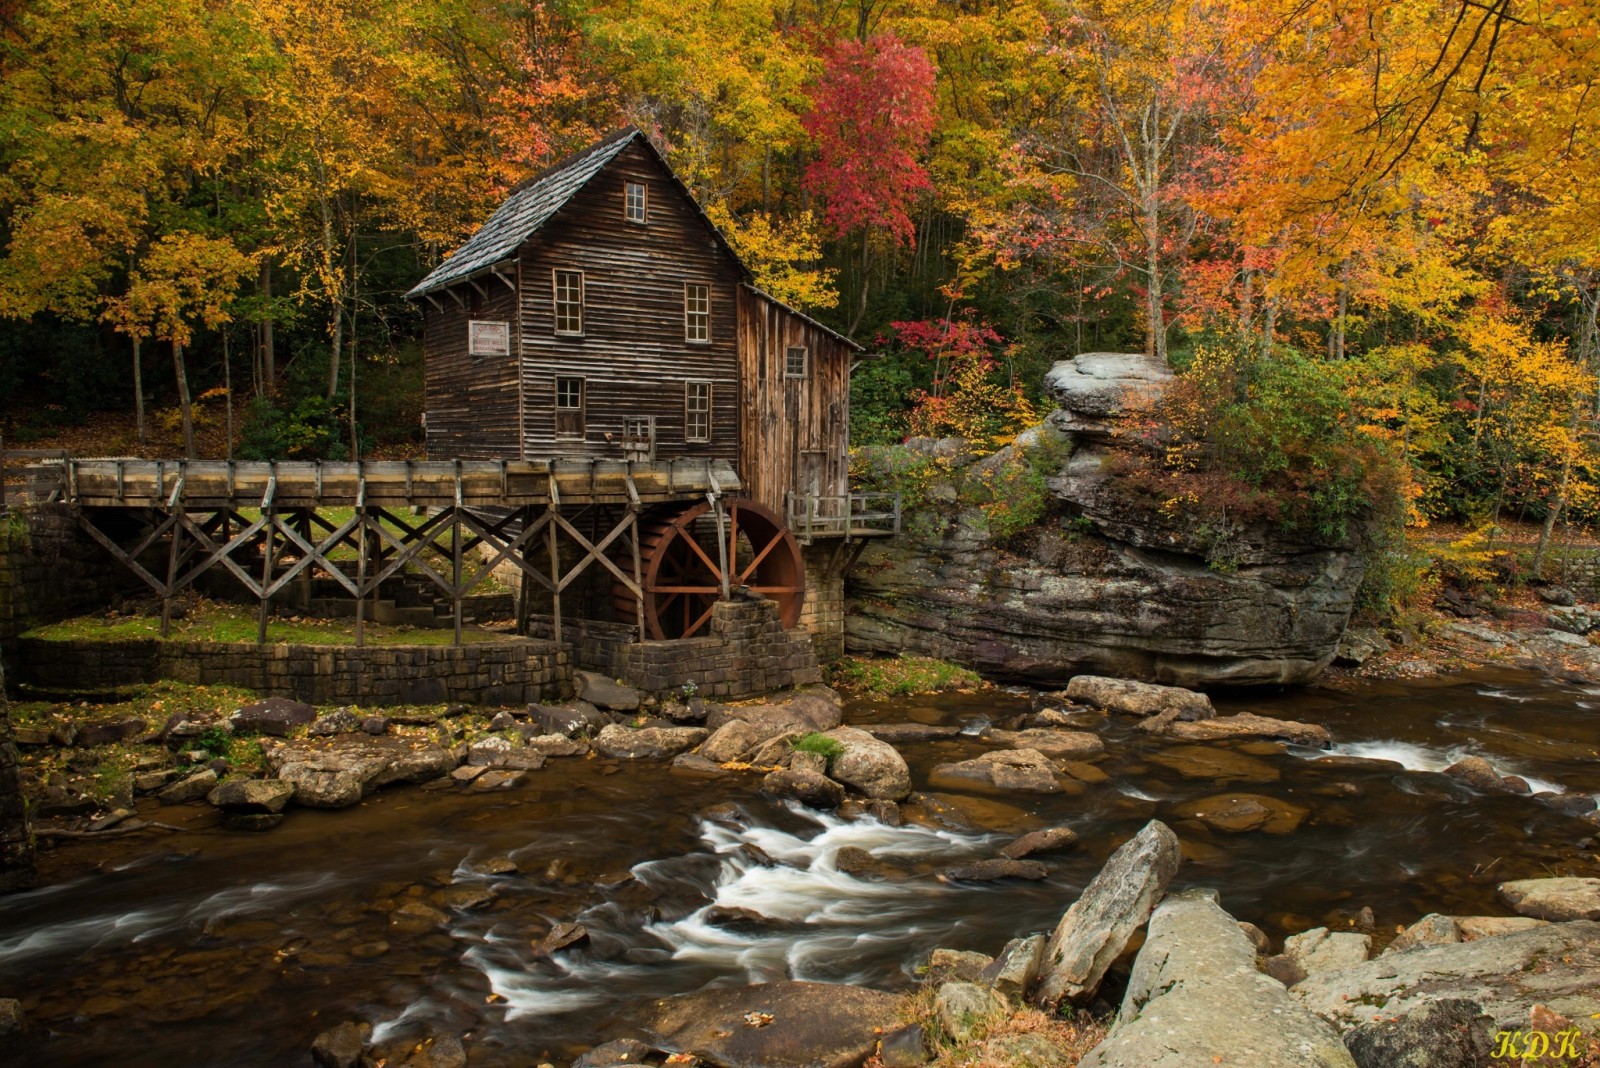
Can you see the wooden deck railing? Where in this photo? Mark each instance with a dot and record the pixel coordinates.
(851, 515)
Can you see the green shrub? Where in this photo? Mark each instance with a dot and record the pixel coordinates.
(310, 428)
(903, 676)
(821, 744)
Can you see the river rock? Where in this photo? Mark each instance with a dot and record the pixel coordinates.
(997, 868)
(814, 710)
(1475, 927)
(647, 743)
(1477, 773)
(252, 795)
(1359, 645)
(1321, 950)
(614, 1054)
(1050, 742)
(731, 741)
(571, 719)
(1241, 813)
(1557, 965)
(1553, 899)
(955, 966)
(497, 752)
(1023, 770)
(962, 1008)
(1117, 901)
(1013, 972)
(561, 936)
(90, 735)
(871, 767)
(900, 733)
(1250, 725)
(1432, 930)
(11, 1016)
(1195, 998)
(1049, 840)
(274, 716)
(189, 789)
(905, 1048)
(1207, 762)
(338, 772)
(339, 721)
(603, 692)
(340, 1047)
(1138, 698)
(776, 1025)
(1449, 1033)
(806, 787)
(555, 745)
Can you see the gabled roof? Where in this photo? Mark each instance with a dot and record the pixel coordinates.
(529, 207)
(534, 202)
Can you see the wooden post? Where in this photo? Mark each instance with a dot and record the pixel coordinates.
(555, 577)
(455, 552)
(361, 576)
(638, 574)
(266, 572)
(523, 578)
(172, 578)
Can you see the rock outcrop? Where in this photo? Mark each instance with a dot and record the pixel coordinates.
(1106, 583)
(776, 1025)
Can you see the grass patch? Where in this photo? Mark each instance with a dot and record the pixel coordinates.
(218, 621)
(816, 742)
(903, 676)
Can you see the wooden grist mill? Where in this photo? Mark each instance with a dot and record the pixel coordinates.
(618, 423)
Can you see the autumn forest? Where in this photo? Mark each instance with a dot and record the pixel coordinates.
(1367, 233)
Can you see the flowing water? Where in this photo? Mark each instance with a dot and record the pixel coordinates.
(218, 948)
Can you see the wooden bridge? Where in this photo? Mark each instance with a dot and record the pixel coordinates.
(268, 524)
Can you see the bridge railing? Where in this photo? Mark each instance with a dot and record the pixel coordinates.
(848, 515)
(43, 475)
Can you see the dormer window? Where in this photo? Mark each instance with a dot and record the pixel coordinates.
(696, 312)
(634, 203)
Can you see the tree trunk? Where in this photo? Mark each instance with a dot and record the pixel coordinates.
(138, 390)
(1157, 343)
(1553, 512)
(184, 404)
(269, 361)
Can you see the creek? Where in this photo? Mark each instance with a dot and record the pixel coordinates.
(237, 949)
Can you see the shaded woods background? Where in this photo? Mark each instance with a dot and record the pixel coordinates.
(1369, 227)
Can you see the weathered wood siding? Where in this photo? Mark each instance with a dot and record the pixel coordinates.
(791, 428)
(471, 401)
(633, 354)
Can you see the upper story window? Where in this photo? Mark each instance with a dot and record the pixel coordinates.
(635, 205)
(697, 411)
(569, 302)
(696, 311)
(796, 361)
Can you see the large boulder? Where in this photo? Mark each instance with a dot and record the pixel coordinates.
(1449, 1033)
(603, 692)
(275, 716)
(871, 767)
(1021, 770)
(1065, 745)
(731, 741)
(807, 787)
(1320, 950)
(1116, 903)
(1554, 899)
(803, 713)
(1195, 998)
(338, 772)
(1557, 965)
(776, 1025)
(1250, 725)
(647, 743)
(252, 796)
(1093, 388)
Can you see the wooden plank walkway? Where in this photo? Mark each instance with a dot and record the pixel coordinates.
(204, 484)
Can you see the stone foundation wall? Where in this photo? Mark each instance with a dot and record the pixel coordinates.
(823, 611)
(747, 653)
(481, 673)
(17, 870)
(49, 570)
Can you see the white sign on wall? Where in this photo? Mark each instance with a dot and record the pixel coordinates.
(488, 339)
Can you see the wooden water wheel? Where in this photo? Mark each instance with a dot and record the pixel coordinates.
(681, 565)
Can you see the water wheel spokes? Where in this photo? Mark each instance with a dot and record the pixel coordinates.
(682, 565)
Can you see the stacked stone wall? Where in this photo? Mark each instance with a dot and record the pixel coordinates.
(823, 611)
(747, 653)
(50, 570)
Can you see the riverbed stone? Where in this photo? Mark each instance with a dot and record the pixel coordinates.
(251, 821)
(731, 741)
(341, 1046)
(90, 735)
(807, 787)
(561, 936)
(555, 745)
(1022, 770)
(1322, 950)
(1553, 899)
(1049, 840)
(614, 1054)
(962, 1008)
(1475, 927)
(1477, 773)
(869, 766)
(1137, 698)
(776, 1025)
(1432, 930)
(252, 795)
(192, 788)
(1013, 972)
(647, 743)
(1557, 965)
(905, 1048)
(1250, 725)
(604, 692)
(1213, 762)
(275, 716)
(995, 869)
(571, 719)
(1070, 745)
(495, 751)
(11, 1016)
(1117, 901)
(1449, 1033)
(339, 721)
(900, 733)
(1195, 998)
(1242, 813)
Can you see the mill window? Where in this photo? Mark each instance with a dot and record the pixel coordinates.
(696, 311)
(697, 411)
(569, 302)
(569, 409)
(795, 361)
(634, 203)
